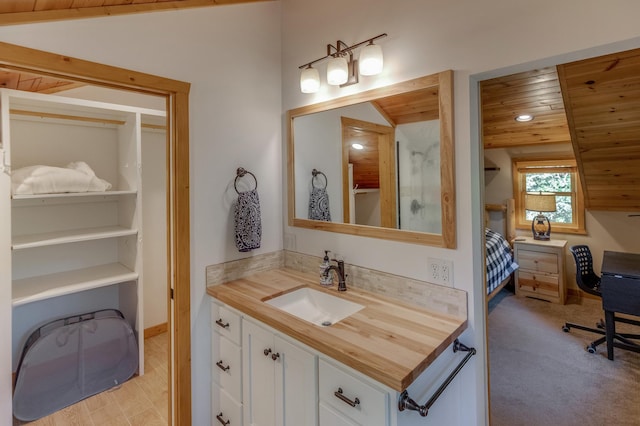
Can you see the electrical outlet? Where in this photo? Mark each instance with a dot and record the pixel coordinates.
(440, 271)
(446, 272)
(434, 270)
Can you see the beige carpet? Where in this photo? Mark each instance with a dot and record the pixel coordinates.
(542, 376)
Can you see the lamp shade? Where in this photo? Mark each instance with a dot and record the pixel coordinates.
(371, 60)
(337, 71)
(309, 80)
(540, 202)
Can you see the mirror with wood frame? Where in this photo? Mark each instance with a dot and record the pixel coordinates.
(399, 185)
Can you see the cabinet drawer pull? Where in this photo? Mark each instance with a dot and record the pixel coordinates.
(222, 324)
(346, 400)
(222, 367)
(266, 352)
(275, 356)
(222, 420)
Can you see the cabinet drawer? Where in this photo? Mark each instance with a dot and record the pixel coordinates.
(331, 417)
(224, 409)
(538, 261)
(227, 365)
(225, 322)
(372, 402)
(541, 283)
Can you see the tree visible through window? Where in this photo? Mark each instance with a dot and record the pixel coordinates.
(559, 184)
(559, 177)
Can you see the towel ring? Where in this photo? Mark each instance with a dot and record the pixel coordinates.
(241, 172)
(315, 174)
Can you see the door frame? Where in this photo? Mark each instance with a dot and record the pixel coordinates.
(178, 226)
(386, 168)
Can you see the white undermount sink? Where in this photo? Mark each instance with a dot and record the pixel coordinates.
(315, 306)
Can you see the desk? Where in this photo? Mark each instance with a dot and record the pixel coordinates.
(620, 294)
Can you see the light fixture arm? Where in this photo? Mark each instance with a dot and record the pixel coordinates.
(341, 49)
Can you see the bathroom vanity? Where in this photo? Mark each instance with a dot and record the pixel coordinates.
(271, 367)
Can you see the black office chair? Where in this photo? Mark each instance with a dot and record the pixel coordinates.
(589, 282)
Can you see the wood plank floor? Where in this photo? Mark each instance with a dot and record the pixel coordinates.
(139, 401)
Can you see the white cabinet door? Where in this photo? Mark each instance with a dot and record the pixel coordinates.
(258, 375)
(296, 384)
(279, 380)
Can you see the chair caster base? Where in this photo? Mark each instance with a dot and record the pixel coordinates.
(591, 349)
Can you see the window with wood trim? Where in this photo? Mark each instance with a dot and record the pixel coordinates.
(557, 176)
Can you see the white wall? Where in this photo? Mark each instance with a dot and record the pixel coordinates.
(471, 38)
(231, 57)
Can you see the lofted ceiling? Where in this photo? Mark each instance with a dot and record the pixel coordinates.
(412, 107)
(535, 92)
(34, 83)
(602, 101)
(593, 104)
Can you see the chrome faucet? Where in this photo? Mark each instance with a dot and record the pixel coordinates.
(339, 268)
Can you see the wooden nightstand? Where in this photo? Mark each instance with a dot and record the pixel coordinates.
(541, 272)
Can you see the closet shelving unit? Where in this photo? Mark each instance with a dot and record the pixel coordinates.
(73, 253)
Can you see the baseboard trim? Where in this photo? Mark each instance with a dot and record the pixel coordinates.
(155, 330)
(580, 293)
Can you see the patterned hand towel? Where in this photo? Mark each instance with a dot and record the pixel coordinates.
(247, 221)
(319, 205)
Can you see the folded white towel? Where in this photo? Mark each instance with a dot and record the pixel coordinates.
(76, 177)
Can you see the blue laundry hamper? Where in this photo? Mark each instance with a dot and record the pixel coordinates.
(73, 358)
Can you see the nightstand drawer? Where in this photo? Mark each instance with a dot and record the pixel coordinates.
(538, 261)
(540, 283)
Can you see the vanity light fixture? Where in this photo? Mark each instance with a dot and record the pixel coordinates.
(342, 68)
(371, 59)
(338, 70)
(523, 118)
(309, 80)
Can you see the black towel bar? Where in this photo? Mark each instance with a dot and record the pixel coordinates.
(406, 403)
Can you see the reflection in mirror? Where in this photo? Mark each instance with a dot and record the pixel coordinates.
(379, 163)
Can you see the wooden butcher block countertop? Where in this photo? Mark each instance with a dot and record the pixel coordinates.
(390, 341)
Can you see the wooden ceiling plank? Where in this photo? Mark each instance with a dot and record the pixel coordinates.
(86, 3)
(9, 79)
(618, 60)
(52, 4)
(522, 79)
(17, 6)
(23, 17)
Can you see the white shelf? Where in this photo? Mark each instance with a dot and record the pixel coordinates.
(72, 236)
(72, 195)
(43, 287)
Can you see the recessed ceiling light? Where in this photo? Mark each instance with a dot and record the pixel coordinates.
(357, 146)
(523, 118)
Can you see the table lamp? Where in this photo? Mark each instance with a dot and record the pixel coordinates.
(540, 202)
